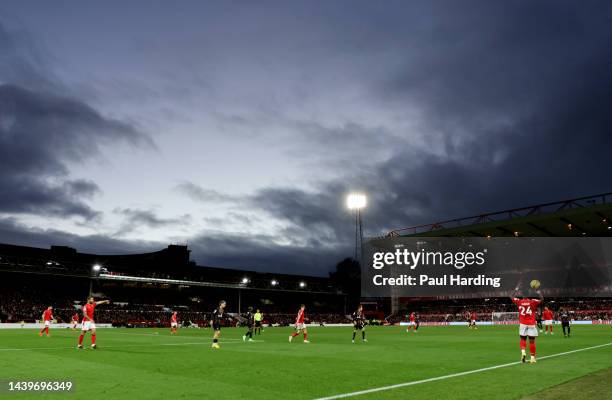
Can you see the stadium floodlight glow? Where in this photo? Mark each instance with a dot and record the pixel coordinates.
(356, 201)
(245, 280)
(96, 267)
(302, 284)
(274, 282)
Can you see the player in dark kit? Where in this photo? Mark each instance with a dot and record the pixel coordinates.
(539, 320)
(359, 323)
(250, 322)
(217, 316)
(565, 322)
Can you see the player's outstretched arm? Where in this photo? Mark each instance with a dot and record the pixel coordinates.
(515, 292)
(102, 302)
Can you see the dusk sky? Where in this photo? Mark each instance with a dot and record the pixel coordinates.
(239, 128)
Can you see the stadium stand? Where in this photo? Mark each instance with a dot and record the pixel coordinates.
(145, 288)
(584, 216)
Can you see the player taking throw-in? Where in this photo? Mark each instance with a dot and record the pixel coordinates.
(527, 308)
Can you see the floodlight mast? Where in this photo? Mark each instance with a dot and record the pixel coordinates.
(357, 201)
(95, 272)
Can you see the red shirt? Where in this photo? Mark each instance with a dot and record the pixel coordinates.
(547, 315)
(411, 317)
(173, 317)
(88, 310)
(527, 310)
(47, 315)
(75, 317)
(300, 317)
(474, 316)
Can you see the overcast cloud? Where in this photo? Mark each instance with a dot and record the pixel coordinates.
(240, 128)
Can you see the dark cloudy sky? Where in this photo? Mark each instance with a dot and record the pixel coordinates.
(239, 127)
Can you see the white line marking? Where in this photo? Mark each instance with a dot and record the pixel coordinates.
(439, 378)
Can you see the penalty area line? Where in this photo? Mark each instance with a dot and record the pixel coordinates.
(443, 377)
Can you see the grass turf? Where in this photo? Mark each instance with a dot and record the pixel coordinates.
(149, 363)
(593, 386)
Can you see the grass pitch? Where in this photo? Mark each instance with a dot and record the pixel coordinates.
(151, 364)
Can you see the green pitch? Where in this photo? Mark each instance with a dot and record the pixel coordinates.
(149, 363)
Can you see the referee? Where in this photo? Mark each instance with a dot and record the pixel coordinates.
(258, 317)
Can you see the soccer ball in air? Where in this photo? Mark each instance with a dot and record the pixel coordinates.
(535, 284)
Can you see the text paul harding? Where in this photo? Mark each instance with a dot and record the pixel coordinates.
(415, 259)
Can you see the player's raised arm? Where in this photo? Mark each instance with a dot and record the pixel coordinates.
(102, 302)
(515, 293)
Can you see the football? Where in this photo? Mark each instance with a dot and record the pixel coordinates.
(535, 284)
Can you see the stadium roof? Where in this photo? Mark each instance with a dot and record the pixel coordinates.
(167, 266)
(583, 216)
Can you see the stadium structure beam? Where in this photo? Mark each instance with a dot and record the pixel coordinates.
(505, 230)
(506, 215)
(541, 229)
(127, 278)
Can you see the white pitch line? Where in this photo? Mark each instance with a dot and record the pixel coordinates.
(439, 378)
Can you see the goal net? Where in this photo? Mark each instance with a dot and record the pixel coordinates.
(501, 318)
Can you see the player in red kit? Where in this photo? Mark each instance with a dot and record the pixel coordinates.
(412, 323)
(75, 321)
(527, 323)
(547, 317)
(473, 318)
(300, 325)
(89, 324)
(47, 317)
(173, 324)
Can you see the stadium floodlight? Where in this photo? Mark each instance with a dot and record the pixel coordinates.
(356, 201)
(96, 268)
(302, 284)
(274, 282)
(245, 280)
